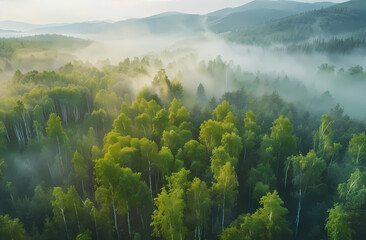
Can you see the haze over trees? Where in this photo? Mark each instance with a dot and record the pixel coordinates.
(79, 165)
(175, 146)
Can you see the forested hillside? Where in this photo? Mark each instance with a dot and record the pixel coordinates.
(341, 21)
(86, 154)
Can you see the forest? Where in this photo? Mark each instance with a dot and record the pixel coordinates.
(138, 150)
(182, 120)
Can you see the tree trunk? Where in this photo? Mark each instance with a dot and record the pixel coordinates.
(95, 223)
(77, 216)
(82, 186)
(144, 130)
(59, 152)
(298, 214)
(128, 220)
(115, 218)
(63, 216)
(171, 231)
(223, 207)
(6, 132)
(288, 166)
(150, 180)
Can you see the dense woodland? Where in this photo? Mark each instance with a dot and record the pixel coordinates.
(84, 155)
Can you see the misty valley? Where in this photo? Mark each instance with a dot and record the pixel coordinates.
(244, 123)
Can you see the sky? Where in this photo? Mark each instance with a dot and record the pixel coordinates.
(66, 11)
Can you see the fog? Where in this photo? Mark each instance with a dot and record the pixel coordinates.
(185, 52)
(270, 61)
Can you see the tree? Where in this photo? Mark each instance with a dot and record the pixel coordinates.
(268, 222)
(84, 236)
(323, 139)
(251, 133)
(55, 131)
(142, 121)
(219, 158)
(176, 89)
(149, 155)
(59, 207)
(163, 85)
(99, 117)
(122, 125)
(80, 168)
(338, 224)
(167, 218)
(160, 122)
(120, 188)
(225, 189)
(353, 192)
(194, 156)
(357, 148)
(2, 137)
(175, 139)
(307, 171)
(178, 113)
(199, 206)
(2, 167)
(232, 144)
(38, 114)
(211, 132)
(276, 224)
(221, 111)
(262, 180)
(11, 229)
(284, 142)
(200, 94)
(165, 161)
(54, 128)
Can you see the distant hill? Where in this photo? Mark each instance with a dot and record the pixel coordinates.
(165, 23)
(76, 28)
(17, 26)
(7, 31)
(258, 12)
(345, 19)
(229, 19)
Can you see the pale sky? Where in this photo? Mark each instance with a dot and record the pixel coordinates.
(64, 11)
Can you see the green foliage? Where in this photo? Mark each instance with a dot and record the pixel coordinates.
(357, 148)
(219, 158)
(88, 159)
(194, 156)
(178, 113)
(338, 224)
(80, 167)
(54, 128)
(199, 206)
(175, 139)
(323, 139)
(225, 190)
(2, 167)
(160, 122)
(11, 228)
(122, 125)
(222, 111)
(167, 218)
(212, 131)
(268, 222)
(232, 144)
(353, 192)
(307, 170)
(284, 142)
